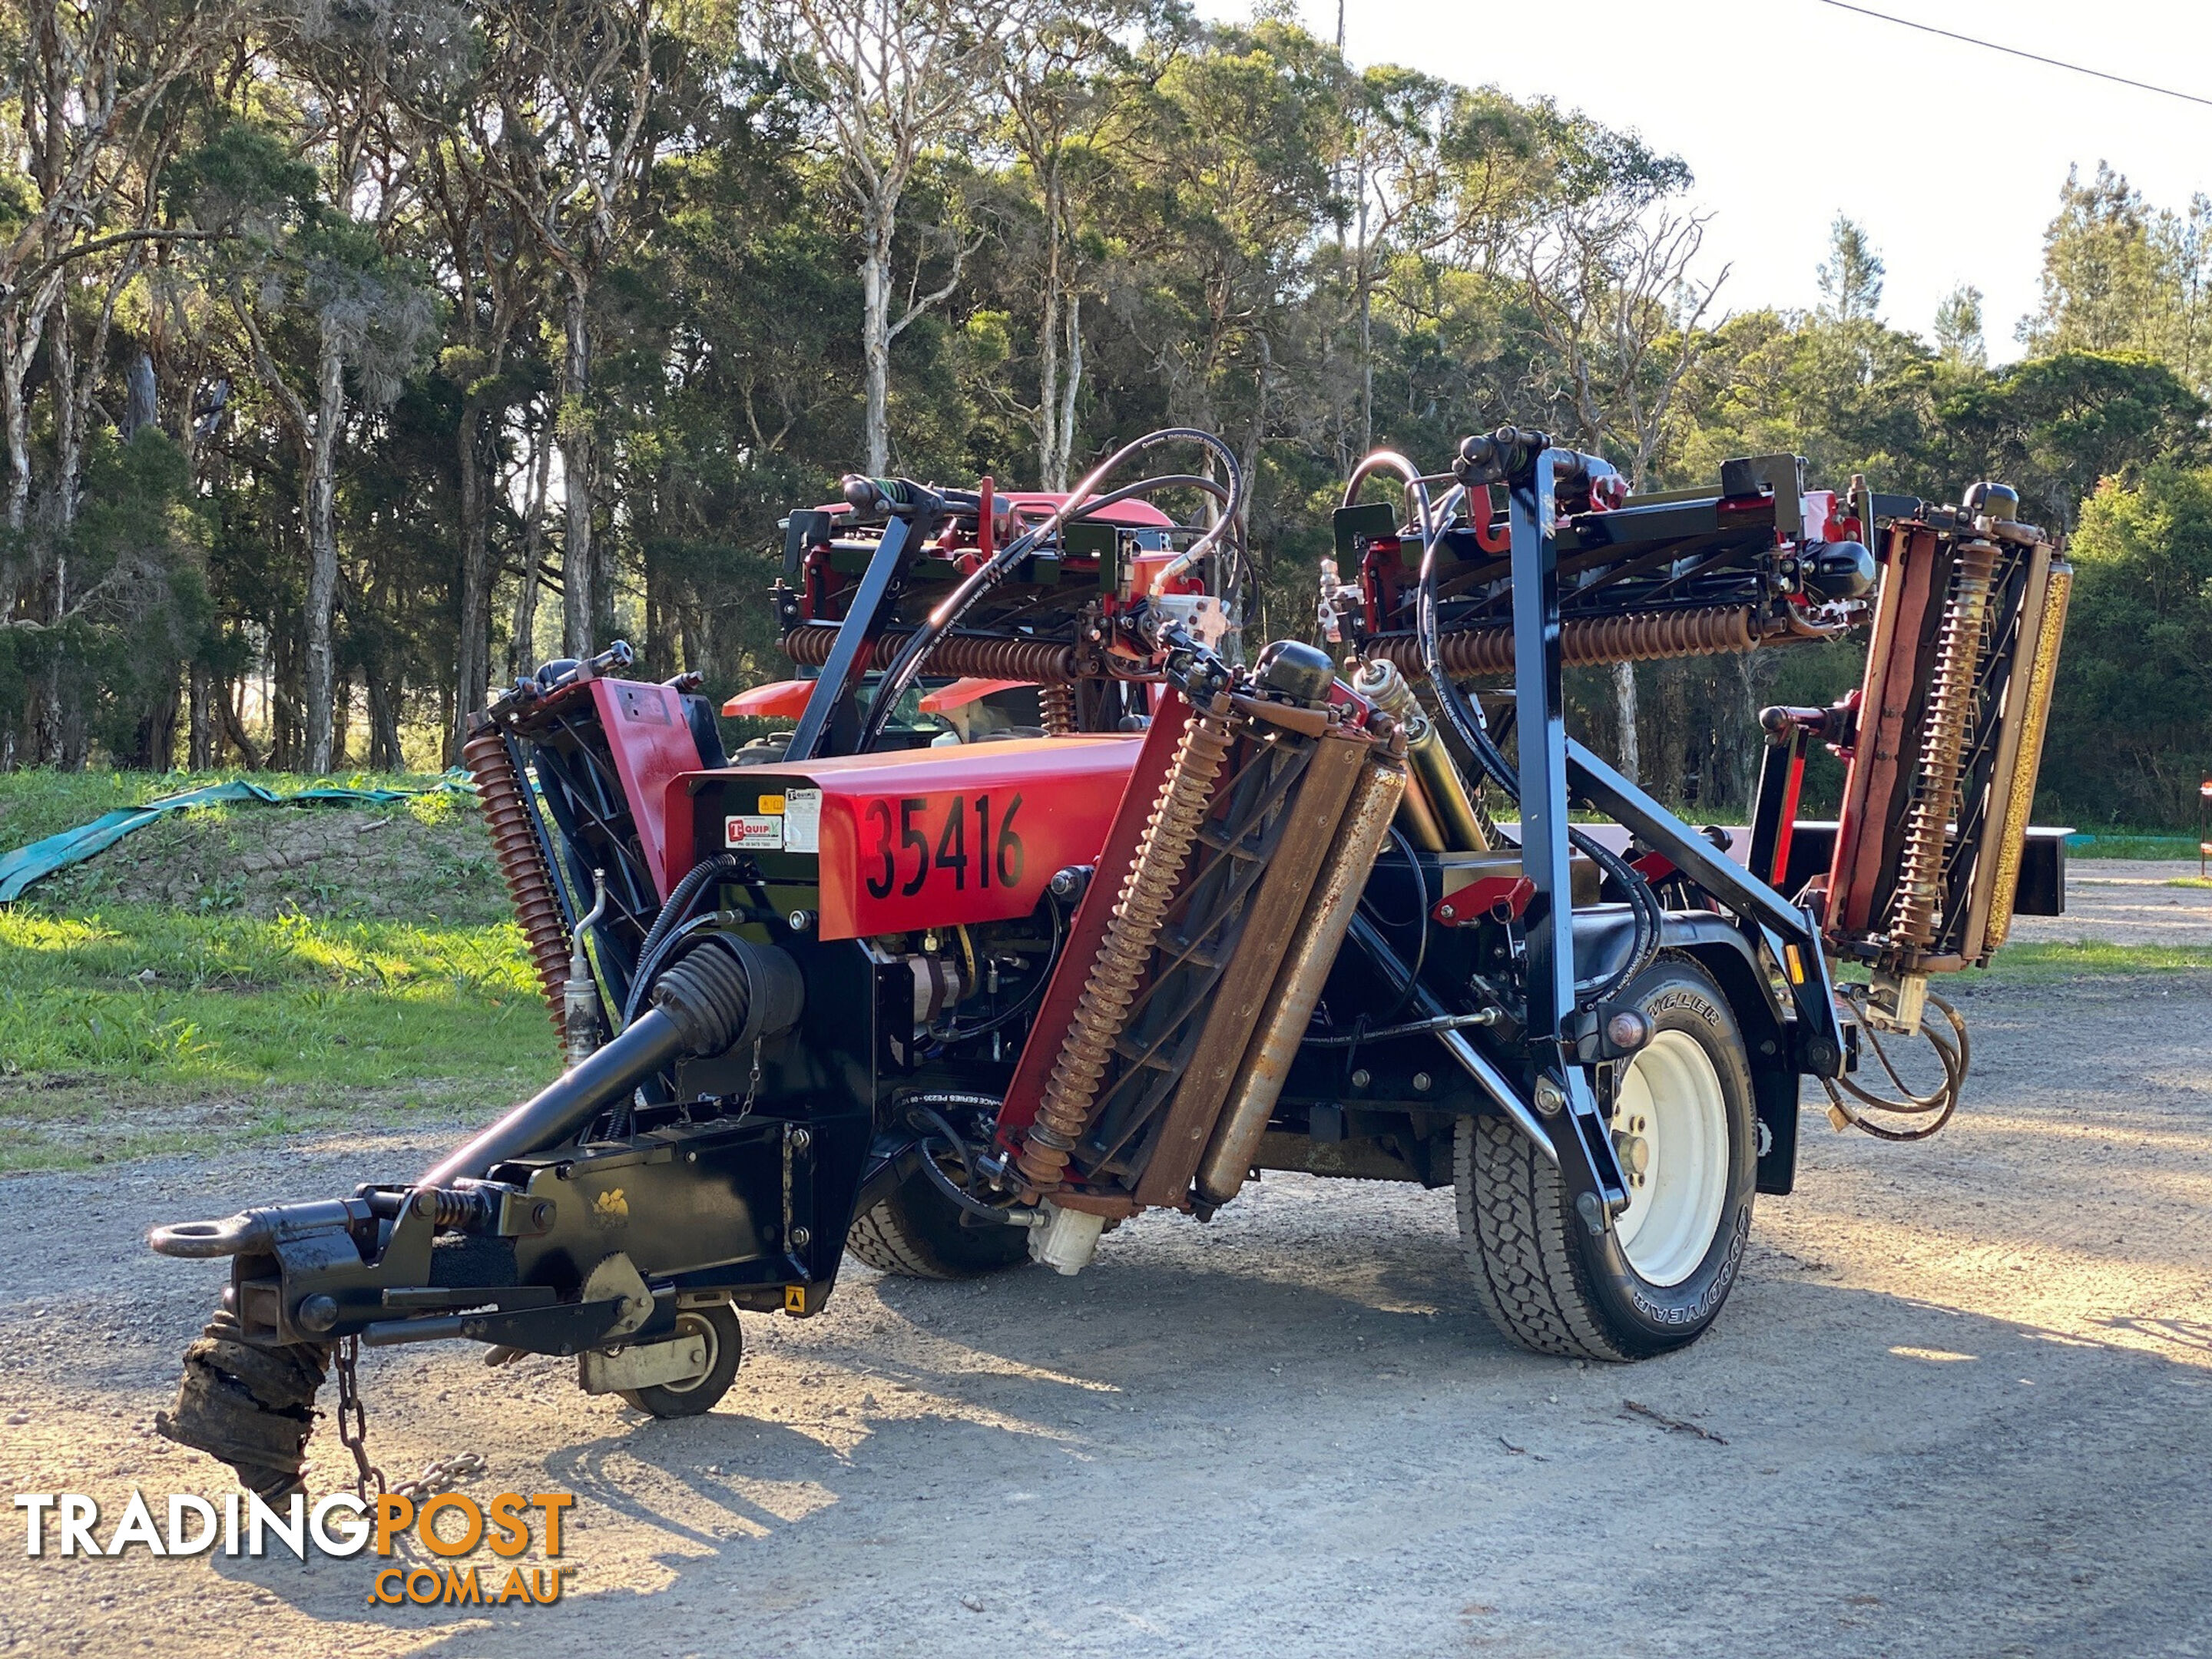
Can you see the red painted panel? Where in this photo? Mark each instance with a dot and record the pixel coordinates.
(652, 744)
(777, 699)
(961, 692)
(1088, 931)
(1879, 768)
(966, 833)
(923, 838)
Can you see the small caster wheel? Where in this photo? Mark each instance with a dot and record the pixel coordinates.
(724, 1347)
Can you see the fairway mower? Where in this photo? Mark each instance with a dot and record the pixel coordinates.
(1048, 899)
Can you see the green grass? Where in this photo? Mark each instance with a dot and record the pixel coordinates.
(2042, 963)
(2130, 844)
(34, 805)
(288, 1024)
(2187, 881)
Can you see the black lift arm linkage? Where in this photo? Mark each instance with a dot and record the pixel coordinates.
(1554, 770)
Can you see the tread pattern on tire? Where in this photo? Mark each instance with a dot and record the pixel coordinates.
(1513, 1229)
(879, 1239)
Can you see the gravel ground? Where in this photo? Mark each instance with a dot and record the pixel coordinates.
(2127, 901)
(1957, 1407)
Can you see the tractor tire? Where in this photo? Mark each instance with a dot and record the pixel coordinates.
(253, 1407)
(1658, 1276)
(726, 1346)
(915, 1233)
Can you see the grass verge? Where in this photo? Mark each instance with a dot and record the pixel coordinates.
(35, 803)
(135, 1028)
(2042, 961)
(2126, 844)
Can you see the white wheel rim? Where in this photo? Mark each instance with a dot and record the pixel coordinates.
(692, 1324)
(1669, 1118)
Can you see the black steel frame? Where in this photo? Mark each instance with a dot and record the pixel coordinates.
(1554, 771)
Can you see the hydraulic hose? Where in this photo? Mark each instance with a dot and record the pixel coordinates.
(1476, 734)
(907, 666)
(678, 909)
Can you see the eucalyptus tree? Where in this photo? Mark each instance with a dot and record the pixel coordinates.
(895, 82)
(1611, 281)
(1065, 88)
(581, 117)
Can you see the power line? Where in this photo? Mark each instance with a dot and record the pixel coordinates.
(2015, 51)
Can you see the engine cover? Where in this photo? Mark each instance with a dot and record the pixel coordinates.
(920, 838)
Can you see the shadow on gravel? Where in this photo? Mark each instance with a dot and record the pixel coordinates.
(1167, 1461)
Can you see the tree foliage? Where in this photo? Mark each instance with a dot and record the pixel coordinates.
(356, 353)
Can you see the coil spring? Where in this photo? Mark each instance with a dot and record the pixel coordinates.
(451, 1209)
(1634, 636)
(1058, 704)
(521, 864)
(1040, 661)
(1103, 1008)
(1942, 744)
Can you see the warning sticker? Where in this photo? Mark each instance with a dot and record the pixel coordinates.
(755, 832)
(802, 821)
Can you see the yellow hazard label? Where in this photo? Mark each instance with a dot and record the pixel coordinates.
(794, 1298)
(771, 805)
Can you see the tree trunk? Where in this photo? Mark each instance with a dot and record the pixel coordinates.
(156, 746)
(473, 661)
(579, 573)
(522, 637)
(234, 727)
(382, 722)
(141, 407)
(200, 751)
(285, 750)
(1624, 699)
(341, 719)
(322, 554)
(657, 656)
(876, 335)
(50, 733)
(1056, 475)
(1050, 449)
(22, 327)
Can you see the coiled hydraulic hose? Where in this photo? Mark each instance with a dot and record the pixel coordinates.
(907, 666)
(1955, 1051)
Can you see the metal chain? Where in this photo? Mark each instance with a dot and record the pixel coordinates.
(353, 1420)
(752, 1088)
(440, 1474)
(444, 1475)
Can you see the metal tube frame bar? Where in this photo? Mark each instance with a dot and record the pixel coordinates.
(1585, 1154)
(854, 650)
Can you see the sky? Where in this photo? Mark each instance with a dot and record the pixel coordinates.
(1789, 112)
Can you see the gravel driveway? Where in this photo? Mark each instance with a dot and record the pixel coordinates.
(1957, 1407)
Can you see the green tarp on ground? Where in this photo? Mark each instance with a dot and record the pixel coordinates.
(26, 864)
